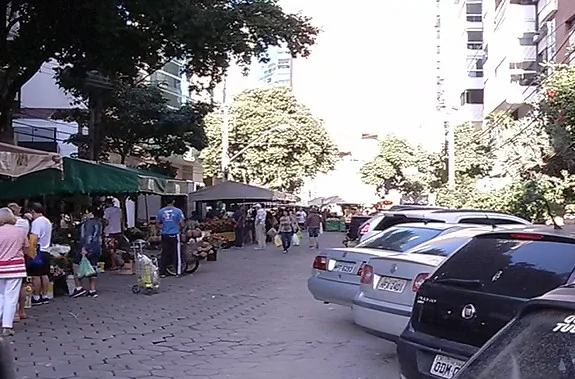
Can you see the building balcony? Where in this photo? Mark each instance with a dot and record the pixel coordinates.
(547, 10)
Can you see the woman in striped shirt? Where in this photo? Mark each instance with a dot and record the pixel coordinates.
(13, 243)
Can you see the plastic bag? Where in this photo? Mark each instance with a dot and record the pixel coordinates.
(278, 240)
(38, 260)
(295, 240)
(85, 269)
(320, 228)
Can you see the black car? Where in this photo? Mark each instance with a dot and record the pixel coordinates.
(478, 290)
(538, 343)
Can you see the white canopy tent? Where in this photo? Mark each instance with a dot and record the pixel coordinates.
(16, 161)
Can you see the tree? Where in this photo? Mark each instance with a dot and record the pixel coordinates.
(274, 140)
(398, 166)
(137, 121)
(118, 38)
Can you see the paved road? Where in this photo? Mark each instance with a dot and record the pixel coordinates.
(249, 315)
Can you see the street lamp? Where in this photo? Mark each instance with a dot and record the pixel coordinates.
(226, 159)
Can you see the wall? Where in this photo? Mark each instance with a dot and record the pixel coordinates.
(565, 13)
(42, 91)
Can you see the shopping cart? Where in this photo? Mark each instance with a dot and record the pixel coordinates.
(148, 274)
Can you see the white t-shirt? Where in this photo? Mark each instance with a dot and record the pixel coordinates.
(261, 216)
(114, 217)
(42, 227)
(301, 216)
(23, 224)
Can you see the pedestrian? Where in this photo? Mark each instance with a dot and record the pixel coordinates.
(287, 225)
(171, 219)
(113, 221)
(23, 224)
(313, 225)
(260, 227)
(240, 218)
(301, 216)
(40, 242)
(90, 246)
(13, 244)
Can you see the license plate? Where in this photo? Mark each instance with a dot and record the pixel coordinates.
(445, 367)
(392, 284)
(344, 267)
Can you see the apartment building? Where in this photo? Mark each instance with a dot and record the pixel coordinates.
(556, 34)
(459, 29)
(511, 63)
(279, 70)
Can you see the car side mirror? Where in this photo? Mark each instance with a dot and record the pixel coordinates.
(7, 369)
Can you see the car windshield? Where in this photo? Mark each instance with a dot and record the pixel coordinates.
(400, 238)
(539, 345)
(443, 247)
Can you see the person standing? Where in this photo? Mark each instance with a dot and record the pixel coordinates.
(287, 225)
(13, 244)
(260, 226)
(240, 218)
(171, 219)
(113, 221)
(40, 242)
(23, 224)
(313, 224)
(90, 246)
(301, 216)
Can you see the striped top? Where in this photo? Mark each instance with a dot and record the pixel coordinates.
(13, 243)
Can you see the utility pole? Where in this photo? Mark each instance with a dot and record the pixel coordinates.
(225, 133)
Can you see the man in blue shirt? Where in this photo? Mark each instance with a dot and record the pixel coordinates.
(171, 219)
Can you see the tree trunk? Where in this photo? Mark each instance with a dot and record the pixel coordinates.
(6, 130)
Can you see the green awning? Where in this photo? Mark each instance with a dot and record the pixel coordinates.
(79, 177)
(155, 183)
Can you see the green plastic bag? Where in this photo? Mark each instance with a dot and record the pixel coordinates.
(85, 269)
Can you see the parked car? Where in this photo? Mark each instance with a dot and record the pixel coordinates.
(453, 216)
(478, 290)
(538, 343)
(336, 272)
(389, 284)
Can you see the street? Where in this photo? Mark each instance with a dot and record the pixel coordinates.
(249, 315)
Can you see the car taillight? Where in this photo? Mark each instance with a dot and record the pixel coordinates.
(366, 274)
(360, 271)
(320, 263)
(419, 279)
(364, 228)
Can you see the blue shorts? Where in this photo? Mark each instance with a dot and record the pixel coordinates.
(313, 232)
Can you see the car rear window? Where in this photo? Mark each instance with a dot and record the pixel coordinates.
(512, 267)
(539, 345)
(400, 239)
(444, 247)
(391, 220)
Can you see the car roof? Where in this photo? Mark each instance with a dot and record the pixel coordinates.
(547, 230)
(436, 225)
(561, 297)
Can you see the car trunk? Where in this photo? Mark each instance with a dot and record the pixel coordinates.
(394, 276)
(344, 264)
(480, 288)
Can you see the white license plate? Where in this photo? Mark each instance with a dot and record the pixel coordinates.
(392, 284)
(445, 367)
(344, 267)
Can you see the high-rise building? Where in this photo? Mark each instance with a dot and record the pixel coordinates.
(556, 34)
(460, 60)
(510, 64)
(279, 70)
(172, 81)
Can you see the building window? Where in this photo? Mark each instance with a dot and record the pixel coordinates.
(474, 12)
(526, 79)
(472, 96)
(477, 69)
(571, 51)
(475, 40)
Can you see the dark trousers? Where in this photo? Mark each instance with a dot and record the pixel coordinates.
(239, 235)
(170, 253)
(286, 239)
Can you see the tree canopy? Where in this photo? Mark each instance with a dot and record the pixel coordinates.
(118, 39)
(273, 140)
(137, 121)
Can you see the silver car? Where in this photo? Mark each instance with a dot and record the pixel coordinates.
(336, 272)
(388, 286)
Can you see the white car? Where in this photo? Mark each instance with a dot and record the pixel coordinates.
(336, 272)
(388, 286)
(380, 222)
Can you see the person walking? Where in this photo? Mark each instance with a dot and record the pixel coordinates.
(260, 227)
(90, 246)
(287, 227)
(23, 224)
(13, 244)
(171, 219)
(301, 216)
(240, 218)
(313, 225)
(40, 242)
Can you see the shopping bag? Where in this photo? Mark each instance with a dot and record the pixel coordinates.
(277, 240)
(85, 269)
(38, 260)
(320, 228)
(295, 240)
